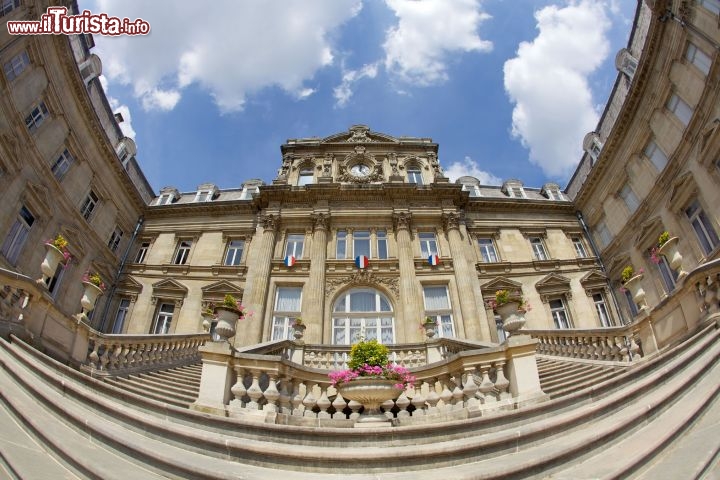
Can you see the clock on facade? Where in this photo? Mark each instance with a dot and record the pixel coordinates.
(360, 170)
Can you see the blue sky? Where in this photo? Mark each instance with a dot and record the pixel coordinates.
(507, 88)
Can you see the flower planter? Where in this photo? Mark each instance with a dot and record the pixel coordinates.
(371, 392)
(227, 318)
(513, 319)
(670, 251)
(299, 331)
(507, 309)
(634, 285)
(53, 257)
(430, 329)
(90, 295)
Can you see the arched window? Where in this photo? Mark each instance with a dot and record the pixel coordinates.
(363, 312)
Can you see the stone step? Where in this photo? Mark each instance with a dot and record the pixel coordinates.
(460, 450)
(156, 394)
(566, 388)
(164, 385)
(174, 375)
(582, 371)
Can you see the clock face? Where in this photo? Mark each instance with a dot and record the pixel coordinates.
(360, 170)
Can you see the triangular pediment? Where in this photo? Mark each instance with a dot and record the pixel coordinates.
(129, 286)
(169, 286)
(682, 190)
(617, 264)
(39, 197)
(553, 281)
(359, 134)
(499, 283)
(649, 231)
(594, 280)
(215, 292)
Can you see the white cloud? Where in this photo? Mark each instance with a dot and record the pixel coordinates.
(116, 107)
(428, 31)
(344, 91)
(469, 167)
(231, 50)
(548, 82)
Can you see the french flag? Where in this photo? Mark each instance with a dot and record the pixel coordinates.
(290, 260)
(361, 261)
(434, 260)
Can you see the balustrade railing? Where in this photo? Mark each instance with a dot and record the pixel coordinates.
(613, 344)
(478, 379)
(123, 354)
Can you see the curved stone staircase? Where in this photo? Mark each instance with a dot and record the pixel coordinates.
(656, 419)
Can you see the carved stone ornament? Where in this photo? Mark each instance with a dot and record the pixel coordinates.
(401, 220)
(270, 222)
(363, 278)
(321, 221)
(451, 221)
(359, 134)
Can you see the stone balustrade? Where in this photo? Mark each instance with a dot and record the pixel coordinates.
(695, 299)
(271, 386)
(123, 354)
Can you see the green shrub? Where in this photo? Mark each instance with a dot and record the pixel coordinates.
(368, 353)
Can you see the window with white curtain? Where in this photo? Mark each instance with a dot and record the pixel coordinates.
(340, 244)
(382, 248)
(655, 154)
(703, 227)
(680, 108)
(17, 234)
(602, 309)
(295, 245)
(120, 316)
(363, 313)
(361, 243)
(163, 320)
(287, 309)
(559, 313)
(437, 307)
(428, 244)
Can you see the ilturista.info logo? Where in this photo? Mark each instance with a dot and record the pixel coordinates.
(56, 21)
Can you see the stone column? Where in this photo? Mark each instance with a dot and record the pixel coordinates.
(256, 284)
(313, 303)
(410, 301)
(464, 274)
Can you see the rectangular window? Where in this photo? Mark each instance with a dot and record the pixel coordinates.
(249, 192)
(682, 110)
(120, 316)
(305, 177)
(361, 243)
(668, 275)
(698, 58)
(428, 244)
(487, 250)
(603, 235)
(183, 252)
(629, 197)
(115, 239)
(602, 310)
(142, 252)
(382, 248)
(706, 234)
(162, 323)
(36, 117)
(8, 6)
(89, 205)
(234, 252)
(54, 282)
(538, 248)
(630, 301)
(437, 307)
(474, 190)
(656, 155)
(204, 196)
(414, 176)
(579, 247)
(711, 5)
(15, 239)
(341, 245)
(554, 194)
(559, 313)
(516, 192)
(295, 246)
(16, 66)
(62, 164)
(287, 309)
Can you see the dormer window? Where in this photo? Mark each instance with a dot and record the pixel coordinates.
(414, 175)
(626, 63)
(552, 191)
(592, 145)
(516, 192)
(249, 192)
(474, 190)
(205, 192)
(165, 199)
(306, 176)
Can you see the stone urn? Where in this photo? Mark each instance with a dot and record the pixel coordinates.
(371, 392)
(227, 318)
(90, 296)
(513, 318)
(299, 330)
(670, 251)
(634, 285)
(53, 257)
(430, 329)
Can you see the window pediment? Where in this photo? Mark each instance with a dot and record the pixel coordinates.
(593, 281)
(169, 289)
(498, 283)
(553, 285)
